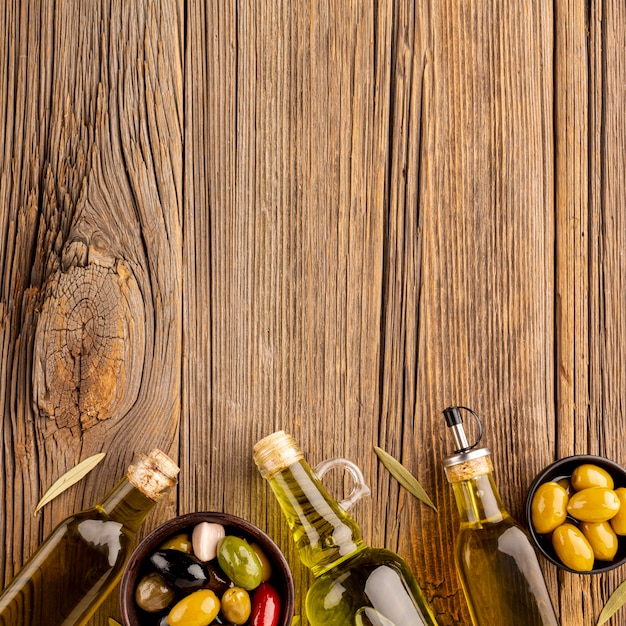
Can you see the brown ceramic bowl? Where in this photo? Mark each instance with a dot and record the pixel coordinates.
(563, 469)
(138, 564)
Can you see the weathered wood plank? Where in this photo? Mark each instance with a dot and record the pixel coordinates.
(572, 128)
(335, 218)
(91, 182)
(590, 119)
(485, 311)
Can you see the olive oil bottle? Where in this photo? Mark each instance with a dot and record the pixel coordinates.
(80, 563)
(355, 585)
(497, 565)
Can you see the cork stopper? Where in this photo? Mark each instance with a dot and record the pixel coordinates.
(467, 466)
(154, 474)
(276, 452)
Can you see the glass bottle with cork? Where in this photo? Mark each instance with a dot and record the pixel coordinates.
(354, 584)
(79, 564)
(497, 565)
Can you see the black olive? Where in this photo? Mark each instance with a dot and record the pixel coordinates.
(182, 570)
(218, 581)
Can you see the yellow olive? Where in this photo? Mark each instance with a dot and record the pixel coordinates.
(199, 608)
(572, 547)
(549, 507)
(601, 538)
(179, 542)
(595, 504)
(589, 475)
(266, 565)
(236, 605)
(566, 483)
(618, 522)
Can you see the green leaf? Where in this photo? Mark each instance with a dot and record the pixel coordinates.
(404, 477)
(70, 478)
(613, 604)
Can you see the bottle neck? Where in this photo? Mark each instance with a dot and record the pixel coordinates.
(324, 534)
(478, 501)
(127, 505)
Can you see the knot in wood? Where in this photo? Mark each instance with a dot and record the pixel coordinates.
(89, 346)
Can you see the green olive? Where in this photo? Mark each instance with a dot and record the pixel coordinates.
(601, 538)
(618, 522)
(239, 562)
(236, 605)
(572, 548)
(153, 593)
(589, 475)
(549, 507)
(595, 504)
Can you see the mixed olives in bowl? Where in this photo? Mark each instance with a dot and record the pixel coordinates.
(576, 513)
(207, 568)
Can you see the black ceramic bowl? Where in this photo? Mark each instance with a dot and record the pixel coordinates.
(138, 563)
(563, 469)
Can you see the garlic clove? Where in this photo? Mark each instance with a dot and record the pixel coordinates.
(205, 538)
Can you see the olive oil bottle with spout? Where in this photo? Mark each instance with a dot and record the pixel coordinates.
(497, 565)
(80, 563)
(354, 585)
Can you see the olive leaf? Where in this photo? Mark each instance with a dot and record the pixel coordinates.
(404, 477)
(613, 604)
(70, 478)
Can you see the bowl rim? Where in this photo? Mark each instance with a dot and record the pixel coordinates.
(179, 522)
(542, 477)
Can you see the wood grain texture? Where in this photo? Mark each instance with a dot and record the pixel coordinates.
(91, 179)
(218, 219)
(485, 329)
(589, 130)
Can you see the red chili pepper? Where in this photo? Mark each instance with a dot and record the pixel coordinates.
(265, 606)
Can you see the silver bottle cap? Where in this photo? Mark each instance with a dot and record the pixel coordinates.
(468, 460)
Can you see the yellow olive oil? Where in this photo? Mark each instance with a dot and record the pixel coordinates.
(323, 533)
(80, 563)
(497, 565)
(354, 584)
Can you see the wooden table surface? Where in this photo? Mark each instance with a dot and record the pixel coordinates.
(219, 219)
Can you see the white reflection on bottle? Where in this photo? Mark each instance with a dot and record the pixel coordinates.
(390, 599)
(104, 535)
